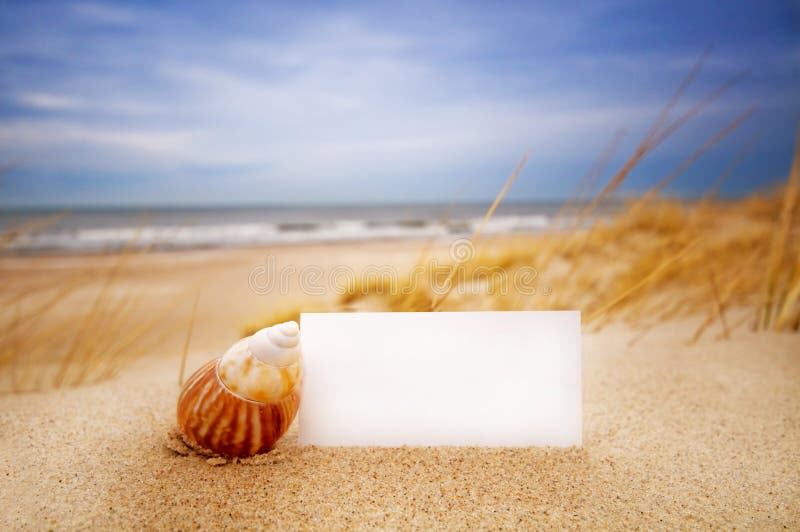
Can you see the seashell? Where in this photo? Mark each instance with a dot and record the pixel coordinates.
(242, 403)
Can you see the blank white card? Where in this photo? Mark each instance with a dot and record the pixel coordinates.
(441, 378)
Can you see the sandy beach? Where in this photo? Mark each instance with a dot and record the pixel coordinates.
(674, 435)
(181, 182)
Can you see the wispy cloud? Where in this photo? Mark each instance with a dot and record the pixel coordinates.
(49, 102)
(104, 13)
(25, 134)
(339, 96)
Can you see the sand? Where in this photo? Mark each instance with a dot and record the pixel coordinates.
(706, 435)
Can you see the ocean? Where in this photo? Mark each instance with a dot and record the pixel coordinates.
(98, 230)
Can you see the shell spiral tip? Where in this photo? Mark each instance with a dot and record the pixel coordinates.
(278, 345)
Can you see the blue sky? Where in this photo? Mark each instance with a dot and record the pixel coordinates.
(105, 103)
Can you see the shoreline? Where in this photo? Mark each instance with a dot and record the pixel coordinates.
(369, 240)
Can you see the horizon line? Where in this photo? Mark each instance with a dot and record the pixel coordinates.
(367, 203)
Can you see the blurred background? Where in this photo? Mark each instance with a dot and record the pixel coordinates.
(156, 153)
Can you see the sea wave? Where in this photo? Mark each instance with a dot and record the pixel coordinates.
(185, 236)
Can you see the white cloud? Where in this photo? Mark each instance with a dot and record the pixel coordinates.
(331, 99)
(30, 134)
(104, 13)
(49, 102)
(357, 107)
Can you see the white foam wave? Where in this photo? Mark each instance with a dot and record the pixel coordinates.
(246, 234)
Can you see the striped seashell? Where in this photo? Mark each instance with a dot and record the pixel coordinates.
(222, 410)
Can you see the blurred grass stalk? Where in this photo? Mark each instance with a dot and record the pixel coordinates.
(644, 265)
(780, 297)
(53, 340)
